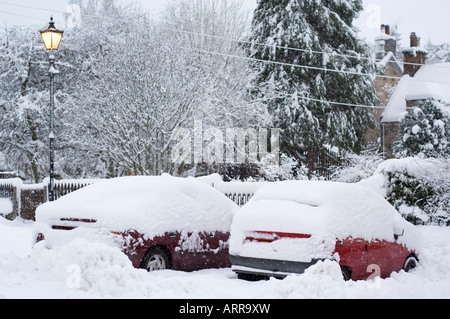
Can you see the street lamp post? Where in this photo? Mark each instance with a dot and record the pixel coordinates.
(52, 38)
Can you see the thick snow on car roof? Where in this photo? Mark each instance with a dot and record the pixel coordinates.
(150, 205)
(323, 208)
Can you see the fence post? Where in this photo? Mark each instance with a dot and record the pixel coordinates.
(16, 202)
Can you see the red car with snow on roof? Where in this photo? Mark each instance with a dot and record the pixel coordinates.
(289, 226)
(158, 222)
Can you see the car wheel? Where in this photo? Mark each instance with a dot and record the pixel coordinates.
(156, 259)
(345, 273)
(251, 277)
(410, 263)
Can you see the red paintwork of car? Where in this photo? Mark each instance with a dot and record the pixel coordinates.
(372, 258)
(187, 252)
(363, 258)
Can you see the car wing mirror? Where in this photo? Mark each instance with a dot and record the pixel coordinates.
(398, 231)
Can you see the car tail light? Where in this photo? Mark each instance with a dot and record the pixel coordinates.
(58, 227)
(72, 223)
(269, 237)
(80, 220)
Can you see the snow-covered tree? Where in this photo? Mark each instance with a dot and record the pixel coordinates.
(438, 53)
(425, 131)
(298, 91)
(211, 30)
(87, 49)
(141, 83)
(23, 102)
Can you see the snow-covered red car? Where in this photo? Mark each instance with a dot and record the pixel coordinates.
(288, 226)
(159, 222)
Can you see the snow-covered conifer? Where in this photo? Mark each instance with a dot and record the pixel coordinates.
(300, 93)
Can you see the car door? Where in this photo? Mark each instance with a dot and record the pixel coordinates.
(353, 254)
(215, 247)
(378, 257)
(387, 255)
(204, 249)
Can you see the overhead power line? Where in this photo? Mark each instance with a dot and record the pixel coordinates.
(21, 15)
(357, 56)
(30, 7)
(334, 103)
(310, 67)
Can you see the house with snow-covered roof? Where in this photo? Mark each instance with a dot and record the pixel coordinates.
(420, 82)
(391, 70)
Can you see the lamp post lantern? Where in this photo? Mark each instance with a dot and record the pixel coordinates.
(52, 38)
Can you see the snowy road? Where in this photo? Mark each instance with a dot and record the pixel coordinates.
(86, 270)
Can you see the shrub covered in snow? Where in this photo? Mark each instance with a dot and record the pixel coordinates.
(419, 188)
(425, 131)
(362, 166)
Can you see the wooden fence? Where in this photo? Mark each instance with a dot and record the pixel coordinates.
(26, 198)
(65, 187)
(327, 160)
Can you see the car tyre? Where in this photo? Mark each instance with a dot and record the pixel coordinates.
(156, 259)
(251, 277)
(345, 273)
(410, 263)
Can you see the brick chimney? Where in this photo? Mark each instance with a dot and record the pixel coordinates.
(414, 57)
(385, 42)
(414, 40)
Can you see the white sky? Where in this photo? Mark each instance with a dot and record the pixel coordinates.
(430, 22)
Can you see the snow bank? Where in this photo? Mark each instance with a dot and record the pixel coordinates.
(87, 266)
(325, 210)
(413, 166)
(151, 205)
(103, 272)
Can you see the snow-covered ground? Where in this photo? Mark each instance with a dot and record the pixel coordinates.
(86, 270)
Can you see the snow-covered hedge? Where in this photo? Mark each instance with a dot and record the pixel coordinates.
(419, 188)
